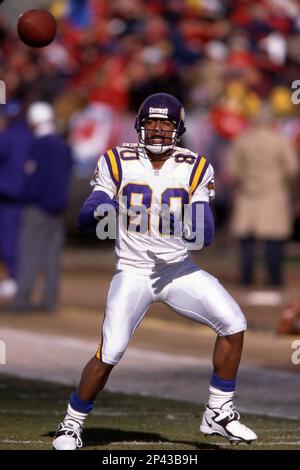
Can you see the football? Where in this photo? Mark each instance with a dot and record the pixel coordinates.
(37, 28)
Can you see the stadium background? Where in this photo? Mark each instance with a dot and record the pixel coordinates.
(223, 59)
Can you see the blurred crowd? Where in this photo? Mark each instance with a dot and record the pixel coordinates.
(222, 57)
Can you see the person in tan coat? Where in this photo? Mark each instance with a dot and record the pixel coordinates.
(262, 166)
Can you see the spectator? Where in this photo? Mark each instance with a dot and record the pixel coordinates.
(14, 146)
(47, 177)
(262, 165)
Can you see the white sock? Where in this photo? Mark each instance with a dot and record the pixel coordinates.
(75, 415)
(217, 397)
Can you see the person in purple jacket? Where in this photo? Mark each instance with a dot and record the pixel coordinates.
(45, 194)
(15, 142)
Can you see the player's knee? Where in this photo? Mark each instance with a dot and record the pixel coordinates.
(108, 355)
(233, 324)
(235, 338)
(103, 366)
(111, 357)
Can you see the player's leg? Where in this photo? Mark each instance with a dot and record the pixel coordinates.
(227, 355)
(200, 297)
(220, 416)
(128, 300)
(93, 379)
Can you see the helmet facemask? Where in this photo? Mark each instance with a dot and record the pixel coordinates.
(169, 138)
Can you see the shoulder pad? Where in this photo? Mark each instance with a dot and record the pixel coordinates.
(184, 151)
(199, 169)
(112, 159)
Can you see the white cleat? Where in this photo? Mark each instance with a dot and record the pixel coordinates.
(225, 421)
(68, 436)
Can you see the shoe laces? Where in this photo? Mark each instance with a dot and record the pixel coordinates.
(229, 412)
(72, 429)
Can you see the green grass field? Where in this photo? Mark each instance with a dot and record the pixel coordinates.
(30, 412)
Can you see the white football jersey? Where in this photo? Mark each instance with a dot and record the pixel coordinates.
(127, 174)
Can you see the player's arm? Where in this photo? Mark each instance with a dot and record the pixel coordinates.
(104, 190)
(209, 223)
(90, 213)
(201, 196)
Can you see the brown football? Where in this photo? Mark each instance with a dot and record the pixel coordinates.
(37, 28)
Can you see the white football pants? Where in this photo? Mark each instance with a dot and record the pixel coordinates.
(187, 289)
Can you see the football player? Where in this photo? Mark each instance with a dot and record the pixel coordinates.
(155, 266)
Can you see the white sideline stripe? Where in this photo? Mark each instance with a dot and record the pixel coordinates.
(265, 430)
(69, 342)
(139, 443)
(282, 443)
(40, 339)
(12, 441)
(142, 443)
(225, 444)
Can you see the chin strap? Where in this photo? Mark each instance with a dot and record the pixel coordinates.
(145, 150)
(159, 150)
